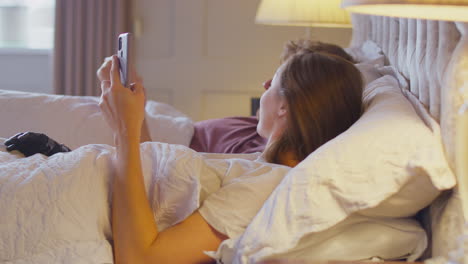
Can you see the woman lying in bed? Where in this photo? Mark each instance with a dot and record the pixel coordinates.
(313, 97)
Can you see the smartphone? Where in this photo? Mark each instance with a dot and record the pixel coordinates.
(125, 54)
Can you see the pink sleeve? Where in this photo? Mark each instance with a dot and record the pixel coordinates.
(228, 135)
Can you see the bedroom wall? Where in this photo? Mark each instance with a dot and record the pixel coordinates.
(26, 70)
(207, 57)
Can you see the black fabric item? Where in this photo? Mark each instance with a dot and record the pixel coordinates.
(30, 143)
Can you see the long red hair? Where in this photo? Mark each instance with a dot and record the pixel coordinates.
(323, 93)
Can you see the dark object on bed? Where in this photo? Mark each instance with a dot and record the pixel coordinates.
(30, 143)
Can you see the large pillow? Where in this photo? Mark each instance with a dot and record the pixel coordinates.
(77, 120)
(368, 52)
(369, 58)
(389, 164)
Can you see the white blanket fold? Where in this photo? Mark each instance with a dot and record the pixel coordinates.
(58, 208)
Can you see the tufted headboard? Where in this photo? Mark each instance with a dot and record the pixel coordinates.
(433, 57)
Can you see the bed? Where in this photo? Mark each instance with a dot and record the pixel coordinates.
(416, 67)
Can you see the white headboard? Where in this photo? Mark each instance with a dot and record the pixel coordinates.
(433, 57)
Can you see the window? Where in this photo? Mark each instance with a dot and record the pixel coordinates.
(27, 24)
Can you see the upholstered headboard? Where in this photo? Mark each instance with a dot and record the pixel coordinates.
(433, 57)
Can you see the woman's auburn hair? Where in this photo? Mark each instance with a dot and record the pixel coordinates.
(324, 98)
(305, 45)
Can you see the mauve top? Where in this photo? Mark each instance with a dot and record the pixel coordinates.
(228, 135)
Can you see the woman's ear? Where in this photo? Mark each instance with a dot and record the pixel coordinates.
(283, 108)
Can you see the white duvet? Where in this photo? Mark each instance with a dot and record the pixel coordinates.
(56, 210)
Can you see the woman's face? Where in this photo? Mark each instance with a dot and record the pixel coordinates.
(272, 107)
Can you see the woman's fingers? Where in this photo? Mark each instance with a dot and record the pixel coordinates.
(105, 85)
(137, 87)
(104, 102)
(107, 110)
(103, 73)
(115, 74)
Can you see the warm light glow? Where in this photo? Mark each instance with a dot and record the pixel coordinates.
(318, 13)
(420, 9)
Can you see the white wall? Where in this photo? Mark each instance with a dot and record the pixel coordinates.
(205, 57)
(23, 70)
(208, 57)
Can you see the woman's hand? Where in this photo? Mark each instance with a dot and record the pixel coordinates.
(103, 73)
(123, 108)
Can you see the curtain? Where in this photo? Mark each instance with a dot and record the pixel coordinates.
(86, 32)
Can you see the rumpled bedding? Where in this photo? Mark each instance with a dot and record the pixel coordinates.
(57, 209)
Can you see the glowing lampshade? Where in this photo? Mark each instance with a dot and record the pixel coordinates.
(318, 13)
(449, 10)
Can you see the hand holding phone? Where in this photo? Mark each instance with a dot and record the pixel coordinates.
(125, 55)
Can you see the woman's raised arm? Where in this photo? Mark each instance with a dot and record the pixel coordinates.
(136, 236)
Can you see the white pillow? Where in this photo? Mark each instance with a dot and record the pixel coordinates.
(77, 120)
(369, 72)
(369, 57)
(389, 163)
(368, 52)
(345, 241)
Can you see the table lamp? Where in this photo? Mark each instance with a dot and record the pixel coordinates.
(306, 13)
(449, 10)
